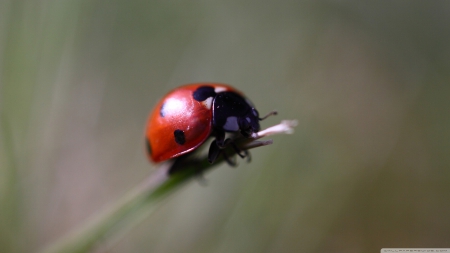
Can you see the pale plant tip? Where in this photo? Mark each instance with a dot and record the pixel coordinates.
(285, 127)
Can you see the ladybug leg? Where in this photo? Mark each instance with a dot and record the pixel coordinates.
(248, 155)
(220, 139)
(222, 143)
(245, 155)
(236, 149)
(214, 152)
(216, 147)
(229, 161)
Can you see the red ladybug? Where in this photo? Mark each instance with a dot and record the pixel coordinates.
(189, 114)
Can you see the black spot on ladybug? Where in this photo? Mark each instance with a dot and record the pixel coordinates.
(161, 111)
(203, 92)
(147, 145)
(179, 136)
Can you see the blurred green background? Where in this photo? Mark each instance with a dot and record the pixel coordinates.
(367, 168)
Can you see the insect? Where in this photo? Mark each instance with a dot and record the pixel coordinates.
(188, 115)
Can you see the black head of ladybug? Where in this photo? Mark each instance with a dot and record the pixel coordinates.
(232, 113)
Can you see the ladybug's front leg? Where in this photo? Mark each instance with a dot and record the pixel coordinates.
(214, 152)
(216, 146)
(220, 139)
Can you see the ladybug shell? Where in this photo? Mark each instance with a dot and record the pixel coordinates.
(179, 123)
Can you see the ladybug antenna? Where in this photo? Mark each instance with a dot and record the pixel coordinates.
(269, 114)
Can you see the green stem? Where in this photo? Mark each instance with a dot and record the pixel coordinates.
(129, 209)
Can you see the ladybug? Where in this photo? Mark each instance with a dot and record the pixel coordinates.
(188, 115)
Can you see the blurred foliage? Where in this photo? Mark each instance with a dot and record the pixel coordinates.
(367, 168)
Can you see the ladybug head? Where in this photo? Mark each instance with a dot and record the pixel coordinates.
(232, 113)
(249, 123)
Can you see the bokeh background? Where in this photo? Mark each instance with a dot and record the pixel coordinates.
(367, 168)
